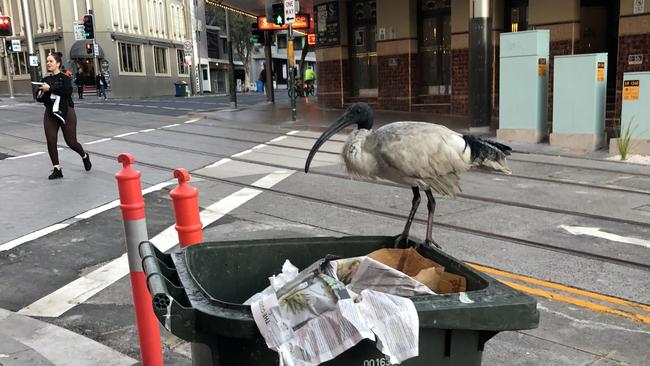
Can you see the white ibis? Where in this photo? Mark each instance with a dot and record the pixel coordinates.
(422, 155)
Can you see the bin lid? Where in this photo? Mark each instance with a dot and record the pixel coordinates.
(526, 43)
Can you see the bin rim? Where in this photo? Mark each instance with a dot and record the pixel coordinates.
(482, 299)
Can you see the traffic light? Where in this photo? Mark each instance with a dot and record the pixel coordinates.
(89, 27)
(89, 48)
(278, 14)
(257, 36)
(5, 27)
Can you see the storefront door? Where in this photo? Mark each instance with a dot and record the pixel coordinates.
(362, 17)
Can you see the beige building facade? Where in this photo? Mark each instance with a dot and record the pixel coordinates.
(140, 43)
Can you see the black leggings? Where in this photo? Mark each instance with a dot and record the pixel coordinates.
(52, 126)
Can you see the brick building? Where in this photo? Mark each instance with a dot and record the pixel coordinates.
(412, 55)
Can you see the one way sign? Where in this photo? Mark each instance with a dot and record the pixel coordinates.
(290, 11)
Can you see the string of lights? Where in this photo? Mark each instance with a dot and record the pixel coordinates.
(220, 3)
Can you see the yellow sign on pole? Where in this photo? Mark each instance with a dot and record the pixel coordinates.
(631, 89)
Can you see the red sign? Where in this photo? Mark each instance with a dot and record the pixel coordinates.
(311, 39)
(302, 22)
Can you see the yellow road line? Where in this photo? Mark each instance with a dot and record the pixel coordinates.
(578, 302)
(556, 286)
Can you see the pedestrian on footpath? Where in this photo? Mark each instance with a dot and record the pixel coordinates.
(56, 94)
(79, 80)
(101, 85)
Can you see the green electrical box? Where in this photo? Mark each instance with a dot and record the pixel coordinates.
(579, 92)
(523, 85)
(635, 114)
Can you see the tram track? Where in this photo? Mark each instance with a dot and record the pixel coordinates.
(390, 184)
(401, 217)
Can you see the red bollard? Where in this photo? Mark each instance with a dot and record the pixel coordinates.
(135, 229)
(186, 210)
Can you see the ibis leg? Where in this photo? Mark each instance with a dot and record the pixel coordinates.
(431, 206)
(403, 239)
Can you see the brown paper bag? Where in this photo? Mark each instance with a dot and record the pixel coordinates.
(409, 261)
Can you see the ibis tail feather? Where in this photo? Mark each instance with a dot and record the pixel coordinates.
(488, 153)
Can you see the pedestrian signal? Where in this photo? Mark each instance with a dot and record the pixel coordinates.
(89, 27)
(5, 27)
(89, 48)
(278, 14)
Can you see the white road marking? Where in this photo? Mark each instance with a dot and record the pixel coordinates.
(126, 134)
(242, 153)
(85, 215)
(83, 288)
(25, 156)
(594, 231)
(97, 141)
(193, 120)
(168, 108)
(220, 162)
(29, 237)
(169, 126)
(148, 130)
(279, 138)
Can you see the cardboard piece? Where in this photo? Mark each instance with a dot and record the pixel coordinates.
(424, 270)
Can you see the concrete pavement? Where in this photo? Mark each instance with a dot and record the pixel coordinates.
(585, 336)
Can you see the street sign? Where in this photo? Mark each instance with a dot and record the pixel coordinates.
(33, 60)
(187, 46)
(96, 49)
(78, 27)
(289, 12)
(302, 21)
(15, 45)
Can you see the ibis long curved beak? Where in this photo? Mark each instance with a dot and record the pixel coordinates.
(341, 123)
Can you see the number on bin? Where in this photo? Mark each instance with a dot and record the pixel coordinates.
(376, 362)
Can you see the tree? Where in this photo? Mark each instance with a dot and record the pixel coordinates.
(240, 35)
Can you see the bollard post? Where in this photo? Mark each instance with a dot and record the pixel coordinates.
(186, 210)
(135, 230)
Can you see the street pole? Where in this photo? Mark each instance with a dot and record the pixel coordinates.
(91, 12)
(75, 8)
(480, 66)
(292, 79)
(196, 79)
(8, 69)
(34, 71)
(233, 91)
(270, 93)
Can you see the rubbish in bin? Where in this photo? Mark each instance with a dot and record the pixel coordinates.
(314, 317)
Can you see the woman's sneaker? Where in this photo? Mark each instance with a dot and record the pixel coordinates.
(57, 173)
(87, 164)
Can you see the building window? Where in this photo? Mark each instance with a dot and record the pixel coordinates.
(435, 46)
(282, 41)
(19, 62)
(160, 60)
(183, 69)
(224, 45)
(130, 58)
(362, 25)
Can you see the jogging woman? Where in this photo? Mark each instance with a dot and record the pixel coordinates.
(56, 94)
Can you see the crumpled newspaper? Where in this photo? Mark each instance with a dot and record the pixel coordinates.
(316, 316)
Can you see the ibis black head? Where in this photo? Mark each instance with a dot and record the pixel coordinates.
(358, 113)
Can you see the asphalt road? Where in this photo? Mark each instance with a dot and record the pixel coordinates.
(591, 285)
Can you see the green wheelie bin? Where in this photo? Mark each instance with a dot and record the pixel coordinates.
(197, 294)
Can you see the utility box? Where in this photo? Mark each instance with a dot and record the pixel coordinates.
(635, 114)
(579, 92)
(523, 86)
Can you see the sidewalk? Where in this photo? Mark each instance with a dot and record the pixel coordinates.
(311, 116)
(27, 341)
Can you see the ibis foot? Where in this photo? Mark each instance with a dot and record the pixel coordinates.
(430, 243)
(402, 241)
